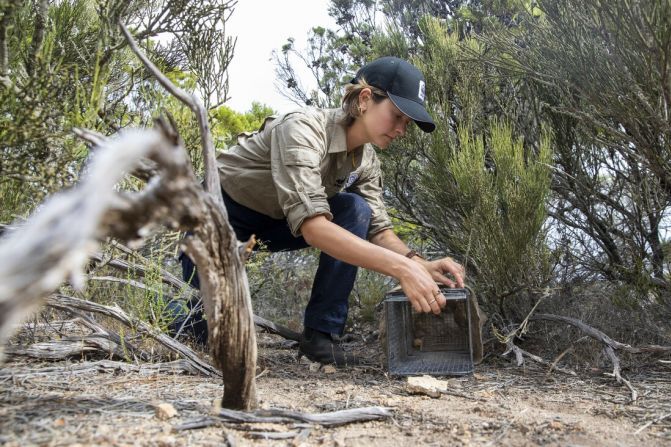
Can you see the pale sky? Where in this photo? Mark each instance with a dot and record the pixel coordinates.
(261, 27)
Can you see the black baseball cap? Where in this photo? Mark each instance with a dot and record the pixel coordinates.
(404, 84)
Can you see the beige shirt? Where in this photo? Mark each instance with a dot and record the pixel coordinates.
(295, 162)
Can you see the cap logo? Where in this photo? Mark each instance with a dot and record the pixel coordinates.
(422, 91)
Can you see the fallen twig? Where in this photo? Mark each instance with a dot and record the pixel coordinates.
(554, 363)
(521, 353)
(272, 415)
(616, 372)
(600, 336)
(654, 421)
(67, 302)
(175, 367)
(333, 418)
(610, 346)
(77, 346)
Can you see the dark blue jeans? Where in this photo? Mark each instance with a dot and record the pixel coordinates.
(328, 306)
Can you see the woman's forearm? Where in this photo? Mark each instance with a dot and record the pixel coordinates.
(339, 243)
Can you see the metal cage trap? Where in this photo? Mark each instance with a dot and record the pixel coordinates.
(421, 343)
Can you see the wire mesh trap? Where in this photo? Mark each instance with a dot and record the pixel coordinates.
(419, 343)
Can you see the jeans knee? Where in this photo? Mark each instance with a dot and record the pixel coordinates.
(351, 208)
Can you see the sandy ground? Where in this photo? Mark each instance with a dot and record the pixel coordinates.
(501, 404)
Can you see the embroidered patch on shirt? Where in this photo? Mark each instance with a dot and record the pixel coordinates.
(351, 179)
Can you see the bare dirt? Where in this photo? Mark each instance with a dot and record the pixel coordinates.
(501, 404)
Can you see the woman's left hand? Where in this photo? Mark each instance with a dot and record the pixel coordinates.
(441, 267)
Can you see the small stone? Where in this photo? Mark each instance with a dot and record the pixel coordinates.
(165, 411)
(314, 367)
(329, 369)
(427, 385)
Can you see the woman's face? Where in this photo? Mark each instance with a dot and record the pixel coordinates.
(383, 122)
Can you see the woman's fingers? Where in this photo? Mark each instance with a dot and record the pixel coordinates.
(448, 265)
(439, 277)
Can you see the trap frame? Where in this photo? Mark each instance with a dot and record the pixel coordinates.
(421, 343)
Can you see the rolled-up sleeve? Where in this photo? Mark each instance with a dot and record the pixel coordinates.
(369, 186)
(297, 149)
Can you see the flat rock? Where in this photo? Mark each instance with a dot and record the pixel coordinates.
(427, 385)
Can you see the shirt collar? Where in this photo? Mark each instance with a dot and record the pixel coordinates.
(337, 131)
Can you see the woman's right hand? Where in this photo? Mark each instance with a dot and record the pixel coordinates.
(420, 288)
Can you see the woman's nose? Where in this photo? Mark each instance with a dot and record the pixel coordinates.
(401, 127)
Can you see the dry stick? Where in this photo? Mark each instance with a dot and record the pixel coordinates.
(654, 421)
(60, 349)
(610, 346)
(331, 419)
(143, 170)
(125, 345)
(616, 371)
(166, 277)
(600, 336)
(272, 415)
(212, 184)
(176, 366)
(66, 302)
(215, 250)
(554, 363)
(521, 353)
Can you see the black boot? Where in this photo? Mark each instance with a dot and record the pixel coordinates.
(326, 349)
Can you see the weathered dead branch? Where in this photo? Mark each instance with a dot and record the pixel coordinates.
(53, 245)
(139, 270)
(215, 250)
(64, 302)
(330, 419)
(175, 367)
(617, 371)
(278, 416)
(68, 339)
(71, 347)
(603, 338)
(610, 346)
(212, 184)
(521, 353)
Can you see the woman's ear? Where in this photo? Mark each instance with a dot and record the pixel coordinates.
(365, 95)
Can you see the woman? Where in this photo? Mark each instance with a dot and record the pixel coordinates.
(312, 178)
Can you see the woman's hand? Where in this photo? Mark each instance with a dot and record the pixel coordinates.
(441, 267)
(420, 288)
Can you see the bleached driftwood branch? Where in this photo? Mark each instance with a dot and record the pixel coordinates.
(54, 245)
(221, 271)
